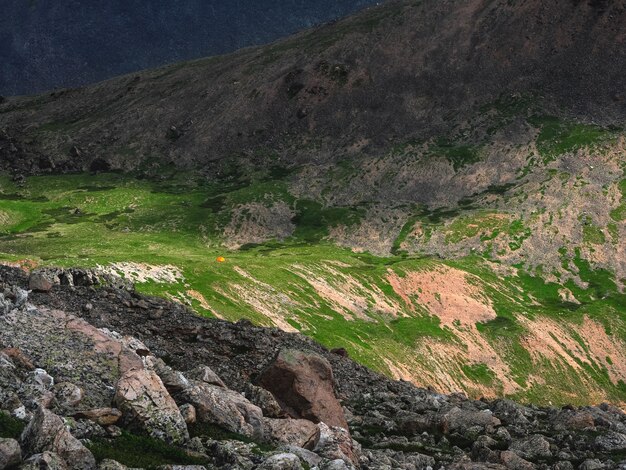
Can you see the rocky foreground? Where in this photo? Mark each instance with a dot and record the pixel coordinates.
(93, 375)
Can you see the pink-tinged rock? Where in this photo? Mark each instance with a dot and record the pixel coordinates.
(302, 383)
(147, 406)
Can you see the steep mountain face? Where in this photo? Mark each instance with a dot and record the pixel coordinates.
(46, 45)
(437, 186)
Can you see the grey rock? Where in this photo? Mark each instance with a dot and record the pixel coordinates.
(532, 448)
(10, 453)
(611, 442)
(458, 419)
(295, 432)
(67, 395)
(264, 400)
(283, 461)
(47, 432)
(45, 461)
(108, 464)
(205, 374)
(86, 429)
(311, 458)
(42, 379)
(148, 407)
(563, 465)
(336, 464)
(512, 461)
(335, 443)
(225, 408)
(41, 282)
(591, 464)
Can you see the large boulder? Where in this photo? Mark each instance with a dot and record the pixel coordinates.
(47, 432)
(225, 408)
(148, 407)
(41, 282)
(264, 400)
(574, 419)
(458, 420)
(294, 432)
(302, 383)
(335, 443)
(10, 453)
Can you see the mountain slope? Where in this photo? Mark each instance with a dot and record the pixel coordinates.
(438, 187)
(421, 68)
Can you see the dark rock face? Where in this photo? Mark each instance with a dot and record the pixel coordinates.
(303, 384)
(392, 424)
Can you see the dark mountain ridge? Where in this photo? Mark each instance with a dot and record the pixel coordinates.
(418, 68)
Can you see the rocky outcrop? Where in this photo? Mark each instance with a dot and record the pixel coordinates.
(225, 408)
(284, 461)
(292, 432)
(302, 382)
(148, 407)
(44, 279)
(459, 420)
(47, 432)
(264, 400)
(335, 443)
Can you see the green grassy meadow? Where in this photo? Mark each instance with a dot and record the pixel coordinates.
(90, 220)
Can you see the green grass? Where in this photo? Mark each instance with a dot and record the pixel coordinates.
(140, 452)
(402, 236)
(480, 373)
(211, 431)
(10, 427)
(593, 234)
(485, 224)
(124, 219)
(313, 220)
(557, 137)
(619, 213)
(459, 155)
